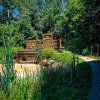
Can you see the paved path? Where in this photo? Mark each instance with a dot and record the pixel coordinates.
(95, 90)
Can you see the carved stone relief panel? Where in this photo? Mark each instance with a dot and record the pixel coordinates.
(47, 41)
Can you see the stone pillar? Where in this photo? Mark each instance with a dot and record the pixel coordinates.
(97, 45)
(91, 50)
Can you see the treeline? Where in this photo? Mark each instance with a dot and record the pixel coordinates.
(83, 24)
(77, 22)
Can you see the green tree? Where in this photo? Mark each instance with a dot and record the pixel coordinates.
(74, 14)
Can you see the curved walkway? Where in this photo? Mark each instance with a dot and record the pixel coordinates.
(95, 66)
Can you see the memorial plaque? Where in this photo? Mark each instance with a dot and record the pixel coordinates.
(38, 44)
(48, 40)
(56, 43)
(30, 44)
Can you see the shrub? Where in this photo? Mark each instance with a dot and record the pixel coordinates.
(55, 56)
(64, 57)
(40, 54)
(16, 49)
(75, 45)
(46, 53)
(86, 52)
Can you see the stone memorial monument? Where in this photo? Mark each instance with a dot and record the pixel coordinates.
(32, 47)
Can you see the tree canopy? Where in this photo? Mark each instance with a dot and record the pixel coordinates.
(77, 22)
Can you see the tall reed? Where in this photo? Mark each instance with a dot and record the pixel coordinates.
(8, 73)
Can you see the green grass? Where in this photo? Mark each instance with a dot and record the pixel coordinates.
(65, 57)
(95, 57)
(1, 53)
(51, 83)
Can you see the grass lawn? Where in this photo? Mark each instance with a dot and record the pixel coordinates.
(51, 84)
(95, 57)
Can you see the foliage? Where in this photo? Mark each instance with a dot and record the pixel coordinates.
(1, 53)
(91, 20)
(86, 52)
(40, 54)
(75, 45)
(74, 13)
(67, 19)
(8, 73)
(16, 49)
(75, 21)
(82, 21)
(50, 53)
(52, 84)
(65, 57)
(46, 53)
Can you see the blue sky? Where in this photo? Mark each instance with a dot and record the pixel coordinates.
(1, 7)
(15, 11)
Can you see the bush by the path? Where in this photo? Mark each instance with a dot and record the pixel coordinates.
(85, 52)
